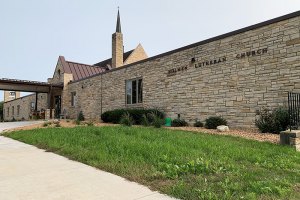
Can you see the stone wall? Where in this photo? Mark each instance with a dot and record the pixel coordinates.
(231, 77)
(25, 107)
(8, 97)
(117, 50)
(137, 55)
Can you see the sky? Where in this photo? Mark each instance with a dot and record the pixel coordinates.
(35, 32)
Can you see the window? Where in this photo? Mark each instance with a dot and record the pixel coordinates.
(58, 73)
(7, 112)
(134, 91)
(12, 94)
(32, 105)
(18, 110)
(13, 111)
(73, 98)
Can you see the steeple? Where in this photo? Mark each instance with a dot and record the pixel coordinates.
(117, 45)
(118, 28)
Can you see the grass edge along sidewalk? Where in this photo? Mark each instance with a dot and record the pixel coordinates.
(182, 164)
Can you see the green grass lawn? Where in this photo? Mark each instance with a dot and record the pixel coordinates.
(182, 164)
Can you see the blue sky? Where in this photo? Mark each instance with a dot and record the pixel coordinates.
(35, 32)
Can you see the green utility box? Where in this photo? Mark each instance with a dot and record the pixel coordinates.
(168, 122)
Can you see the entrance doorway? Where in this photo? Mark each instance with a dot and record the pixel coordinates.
(57, 106)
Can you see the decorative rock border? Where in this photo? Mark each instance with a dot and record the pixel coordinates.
(291, 138)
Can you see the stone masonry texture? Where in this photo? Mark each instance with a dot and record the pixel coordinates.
(117, 50)
(24, 103)
(235, 88)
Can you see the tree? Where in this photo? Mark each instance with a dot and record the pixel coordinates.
(1, 111)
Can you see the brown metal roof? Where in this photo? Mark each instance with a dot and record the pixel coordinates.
(79, 70)
(82, 71)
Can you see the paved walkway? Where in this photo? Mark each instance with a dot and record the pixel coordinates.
(27, 172)
(9, 125)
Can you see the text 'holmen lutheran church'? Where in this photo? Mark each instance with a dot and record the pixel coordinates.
(232, 75)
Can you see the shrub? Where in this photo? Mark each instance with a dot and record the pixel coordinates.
(80, 116)
(145, 121)
(198, 124)
(179, 122)
(90, 123)
(156, 119)
(45, 124)
(114, 116)
(127, 120)
(213, 122)
(272, 121)
(57, 124)
(77, 122)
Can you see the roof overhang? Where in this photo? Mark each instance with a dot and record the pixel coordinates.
(28, 86)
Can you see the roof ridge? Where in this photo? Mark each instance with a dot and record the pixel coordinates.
(81, 63)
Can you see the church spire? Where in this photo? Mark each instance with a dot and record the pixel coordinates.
(118, 28)
(117, 45)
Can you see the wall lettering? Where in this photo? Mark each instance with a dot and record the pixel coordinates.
(210, 62)
(252, 53)
(198, 64)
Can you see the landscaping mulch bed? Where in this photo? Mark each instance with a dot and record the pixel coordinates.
(63, 123)
(249, 134)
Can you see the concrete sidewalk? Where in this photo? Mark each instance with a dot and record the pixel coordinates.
(27, 172)
(10, 125)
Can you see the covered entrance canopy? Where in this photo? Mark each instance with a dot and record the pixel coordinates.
(28, 86)
(33, 86)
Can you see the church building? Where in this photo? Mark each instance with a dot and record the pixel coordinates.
(233, 75)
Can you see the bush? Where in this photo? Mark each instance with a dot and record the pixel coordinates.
(272, 121)
(57, 124)
(114, 116)
(127, 120)
(90, 123)
(145, 121)
(179, 122)
(80, 116)
(156, 120)
(213, 122)
(45, 124)
(198, 124)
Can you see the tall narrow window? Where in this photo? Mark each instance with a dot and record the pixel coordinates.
(18, 110)
(13, 111)
(32, 105)
(73, 98)
(7, 111)
(140, 91)
(128, 92)
(134, 91)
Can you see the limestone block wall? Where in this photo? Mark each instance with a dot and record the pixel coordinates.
(58, 74)
(88, 98)
(11, 107)
(117, 50)
(232, 77)
(137, 55)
